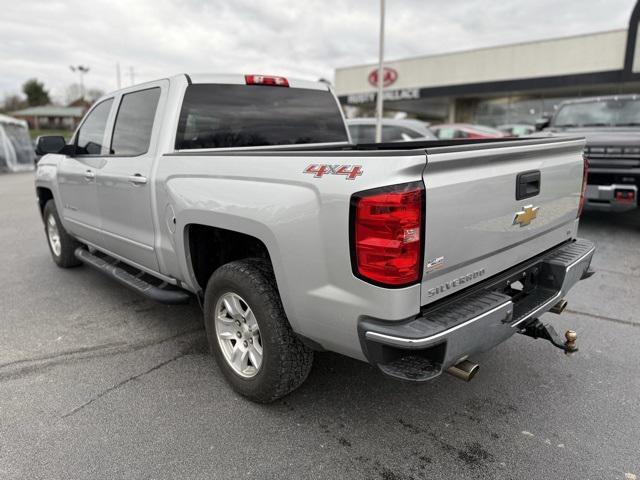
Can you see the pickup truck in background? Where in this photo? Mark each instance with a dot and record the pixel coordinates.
(246, 192)
(611, 126)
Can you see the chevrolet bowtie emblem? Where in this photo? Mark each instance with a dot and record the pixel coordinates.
(525, 216)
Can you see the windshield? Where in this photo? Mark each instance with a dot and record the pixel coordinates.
(223, 116)
(606, 113)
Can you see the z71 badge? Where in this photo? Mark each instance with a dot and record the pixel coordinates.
(349, 171)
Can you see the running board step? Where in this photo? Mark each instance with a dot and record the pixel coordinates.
(163, 293)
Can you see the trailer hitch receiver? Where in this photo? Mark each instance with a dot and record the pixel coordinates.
(537, 329)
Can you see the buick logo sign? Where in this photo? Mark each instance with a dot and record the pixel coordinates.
(389, 77)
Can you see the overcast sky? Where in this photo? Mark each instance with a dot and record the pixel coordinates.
(307, 38)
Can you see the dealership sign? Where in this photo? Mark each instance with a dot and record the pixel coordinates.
(389, 95)
(389, 77)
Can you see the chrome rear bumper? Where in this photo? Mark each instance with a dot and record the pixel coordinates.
(476, 319)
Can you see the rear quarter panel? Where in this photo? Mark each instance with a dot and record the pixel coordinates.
(302, 220)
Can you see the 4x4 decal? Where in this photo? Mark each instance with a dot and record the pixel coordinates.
(350, 171)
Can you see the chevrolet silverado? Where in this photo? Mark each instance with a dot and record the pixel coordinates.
(245, 192)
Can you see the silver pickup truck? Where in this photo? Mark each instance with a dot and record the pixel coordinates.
(245, 192)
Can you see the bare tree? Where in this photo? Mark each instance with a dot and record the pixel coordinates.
(74, 92)
(92, 94)
(13, 102)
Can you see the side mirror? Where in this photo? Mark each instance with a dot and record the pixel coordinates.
(542, 123)
(50, 144)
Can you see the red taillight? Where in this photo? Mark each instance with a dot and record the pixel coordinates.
(266, 80)
(625, 196)
(387, 234)
(585, 172)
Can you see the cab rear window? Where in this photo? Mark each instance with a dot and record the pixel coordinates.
(224, 116)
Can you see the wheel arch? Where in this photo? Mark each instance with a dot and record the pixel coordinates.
(208, 247)
(44, 194)
(260, 241)
(46, 182)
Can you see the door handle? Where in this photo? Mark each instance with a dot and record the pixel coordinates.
(89, 175)
(137, 179)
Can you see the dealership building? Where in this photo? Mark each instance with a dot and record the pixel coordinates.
(497, 85)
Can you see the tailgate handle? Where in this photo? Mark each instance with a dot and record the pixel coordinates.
(527, 184)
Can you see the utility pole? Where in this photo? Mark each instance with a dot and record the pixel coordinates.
(81, 69)
(380, 76)
(132, 75)
(118, 81)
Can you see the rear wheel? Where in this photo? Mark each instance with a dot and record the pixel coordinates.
(249, 334)
(238, 334)
(61, 244)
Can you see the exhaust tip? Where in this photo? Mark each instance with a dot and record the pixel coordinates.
(464, 370)
(559, 307)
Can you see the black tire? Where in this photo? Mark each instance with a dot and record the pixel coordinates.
(286, 361)
(65, 258)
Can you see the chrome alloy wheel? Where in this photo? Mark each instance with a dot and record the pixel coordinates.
(238, 334)
(54, 236)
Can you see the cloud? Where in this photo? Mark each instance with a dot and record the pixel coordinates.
(41, 38)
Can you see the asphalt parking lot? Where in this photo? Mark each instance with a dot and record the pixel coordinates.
(96, 382)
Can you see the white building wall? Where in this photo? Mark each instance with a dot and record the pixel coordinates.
(563, 56)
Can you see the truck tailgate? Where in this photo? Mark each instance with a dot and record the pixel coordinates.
(475, 226)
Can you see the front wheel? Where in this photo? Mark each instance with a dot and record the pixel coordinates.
(249, 334)
(61, 244)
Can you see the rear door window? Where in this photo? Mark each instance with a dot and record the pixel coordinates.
(223, 116)
(134, 122)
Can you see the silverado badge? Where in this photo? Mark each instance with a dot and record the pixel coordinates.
(526, 215)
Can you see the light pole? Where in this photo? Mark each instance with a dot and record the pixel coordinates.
(380, 76)
(81, 69)
(118, 82)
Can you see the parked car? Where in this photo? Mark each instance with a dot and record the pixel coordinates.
(451, 131)
(16, 150)
(245, 192)
(611, 126)
(517, 129)
(363, 130)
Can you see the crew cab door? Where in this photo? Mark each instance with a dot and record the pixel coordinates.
(77, 175)
(124, 181)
